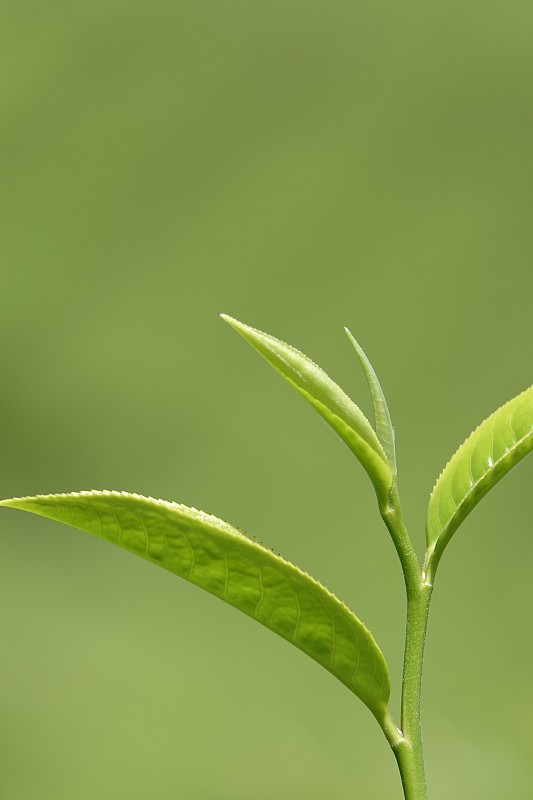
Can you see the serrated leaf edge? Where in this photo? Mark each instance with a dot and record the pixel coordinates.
(201, 516)
(432, 548)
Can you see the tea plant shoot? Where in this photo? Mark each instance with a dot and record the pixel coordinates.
(234, 567)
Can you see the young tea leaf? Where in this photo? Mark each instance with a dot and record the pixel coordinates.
(328, 399)
(225, 562)
(382, 420)
(488, 454)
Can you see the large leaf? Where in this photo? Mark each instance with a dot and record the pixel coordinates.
(223, 561)
(328, 399)
(488, 454)
(382, 419)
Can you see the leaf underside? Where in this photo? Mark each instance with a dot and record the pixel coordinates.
(488, 454)
(220, 559)
(331, 402)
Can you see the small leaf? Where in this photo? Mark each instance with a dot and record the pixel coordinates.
(328, 399)
(488, 454)
(223, 561)
(382, 420)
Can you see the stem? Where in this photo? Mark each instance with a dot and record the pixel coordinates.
(409, 754)
(408, 749)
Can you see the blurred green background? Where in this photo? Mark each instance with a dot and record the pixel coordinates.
(301, 166)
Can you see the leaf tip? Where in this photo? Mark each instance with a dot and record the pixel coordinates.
(13, 502)
(231, 321)
(240, 327)
(353, 340)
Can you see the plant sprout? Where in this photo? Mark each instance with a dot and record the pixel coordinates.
(244, 573)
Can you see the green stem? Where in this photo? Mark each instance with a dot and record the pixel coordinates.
(408, 747)
(409, 754)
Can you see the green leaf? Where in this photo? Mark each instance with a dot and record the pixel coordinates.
(328, 399)
(488, 454)
(382, 420)
(223, 561)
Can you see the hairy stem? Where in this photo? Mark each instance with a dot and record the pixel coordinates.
(408, 748)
